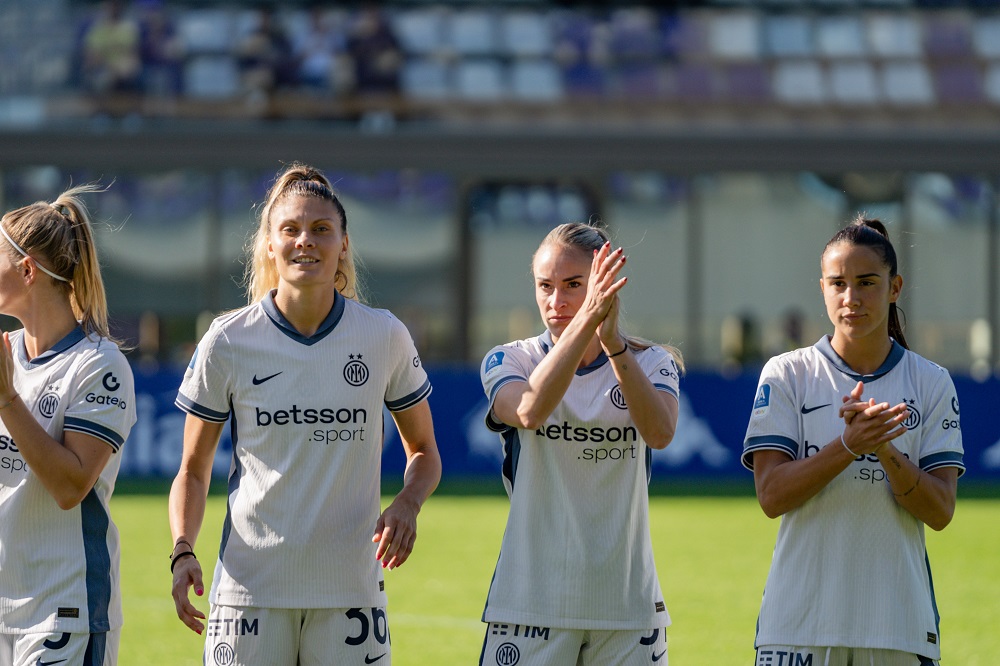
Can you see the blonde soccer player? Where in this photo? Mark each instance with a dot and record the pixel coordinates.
(578, 409)
(303, 372)
(67, 404)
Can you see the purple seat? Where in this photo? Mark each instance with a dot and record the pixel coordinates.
(946, 38)
(959, 83)
(639, 80)
(747, 82)
(694, 83)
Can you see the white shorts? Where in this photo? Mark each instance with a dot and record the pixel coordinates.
(60, 648)
(520, 645)
(247, 636)
(785, 655)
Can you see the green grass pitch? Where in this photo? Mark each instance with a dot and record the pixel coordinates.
(712, 554)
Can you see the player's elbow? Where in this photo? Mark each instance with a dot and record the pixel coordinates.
(69, 500)
(770, 504)
(941, 519)
(660, 439)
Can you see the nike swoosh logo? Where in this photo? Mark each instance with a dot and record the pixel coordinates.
(369, 660)
(48, 663)
(258, 382)
(657, 657)
(806, 410)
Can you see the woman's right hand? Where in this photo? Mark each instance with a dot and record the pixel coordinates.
(869, 425)
(187, 574)
(603, 285)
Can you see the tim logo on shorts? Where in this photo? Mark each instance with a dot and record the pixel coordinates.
(783, 658)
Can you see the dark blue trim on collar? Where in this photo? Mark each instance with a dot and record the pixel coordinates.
(890, 362)
(58, 348)
(278, 319)
(545, 340)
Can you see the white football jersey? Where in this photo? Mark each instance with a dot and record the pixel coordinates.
(576, 553)
(850, 567)
(59, 569)
(307, 449)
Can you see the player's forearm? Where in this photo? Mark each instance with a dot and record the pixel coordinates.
(421, 477)
(653, 412)
(186, 506)
(928, 496)
(59, 469)
(787, 485)
(551, 378)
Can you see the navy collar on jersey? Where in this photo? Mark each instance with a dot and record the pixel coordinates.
(68, 341)
(894, 357)
(272, 312)
(545, 340)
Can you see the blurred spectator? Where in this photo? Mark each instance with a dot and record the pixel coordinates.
(376, 53)
(265, 58)
(321, 52)
(111, 62)
(161, 51)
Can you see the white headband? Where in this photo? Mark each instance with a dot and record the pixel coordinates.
(25, 254)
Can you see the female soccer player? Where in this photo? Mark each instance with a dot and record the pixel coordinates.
(855, 442)
(67, 405)
(578, 409)
(304, 372)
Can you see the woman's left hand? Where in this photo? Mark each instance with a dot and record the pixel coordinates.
(396, 532)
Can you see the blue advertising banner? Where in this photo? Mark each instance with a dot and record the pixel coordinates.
(713, 417)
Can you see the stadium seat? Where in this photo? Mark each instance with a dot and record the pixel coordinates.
(211, 77)
(583, 79)
(958, 83)
(854, 83)
(206, 30)
(788, 36)
(991, 83)
(694, 82)
(642, 80)
(634, 35)
(907, 83)
(947, 36)
(894, 36)
(747, 82)
(525, 34)
(420, 31)
(535, 80)
(480, 80)
(840, 36)
(472, 32)
(734, 36)
(986, 37)
(800, 82)
(425, 79)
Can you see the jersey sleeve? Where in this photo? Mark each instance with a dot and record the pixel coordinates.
(103, 404)
(941, 431)
(504, 364)
(774, 422)
(408, 382)
(663, 371)
(206, 388)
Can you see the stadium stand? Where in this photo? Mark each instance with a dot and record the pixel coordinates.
(875, 59)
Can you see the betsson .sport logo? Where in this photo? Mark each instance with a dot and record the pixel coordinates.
(350, 423)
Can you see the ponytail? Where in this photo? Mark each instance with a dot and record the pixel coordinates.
(59, 237)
